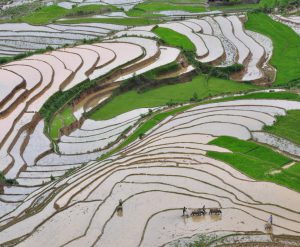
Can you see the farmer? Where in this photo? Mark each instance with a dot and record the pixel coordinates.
(184, 211)
(271, 219)
(203, 208)
(120, 206)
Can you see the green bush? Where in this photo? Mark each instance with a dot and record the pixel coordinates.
(147, 80)
(219, 72)
(6, 181)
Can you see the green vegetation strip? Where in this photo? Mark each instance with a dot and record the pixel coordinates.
(118, 21)
(265, 5)
(270, 4)
(235, 7)
(174, 38)
(257, 161)
(5, 181)
(287, 126)
(63, 119)
(49, 14)
(58, 100)
(156, 6)
(286, 45)
(200, 85)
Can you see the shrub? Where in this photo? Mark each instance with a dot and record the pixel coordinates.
(194, 97)
(220, 72)
(6, 181)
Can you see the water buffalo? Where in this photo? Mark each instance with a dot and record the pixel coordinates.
(215, 211)
(198, 212)
(268, 226)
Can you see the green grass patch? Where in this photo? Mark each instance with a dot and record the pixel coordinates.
(253, 150)
(270, 4)
(150, 8)
(286, 43)
(156, 6)
(67, 116)
(287, 126)
(263, 4)
(63, 119)
(290, 177)
(45, 15)
(257, 161)
(174, 38)
(179, 93)
(52, 13)
(236, 7)
(233, 144)
(55, 126)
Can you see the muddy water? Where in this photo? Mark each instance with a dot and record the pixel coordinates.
(132, 191)
(155, 177)
(167, 226)
(136, 214)
(278, 142)
(65, 226)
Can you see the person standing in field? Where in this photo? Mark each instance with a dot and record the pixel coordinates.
(183, 211)
(271, 219)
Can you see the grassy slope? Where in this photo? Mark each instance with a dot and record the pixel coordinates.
(286, 55)
(61, 120)
(118, 21)
(45, 15)
(160, 96)
(149, 8)
(55, 126)
(270, 4)
(155, 6)
(274, 3)
(173, 38)
(257, 161)
(51, 13)
(236, 7)
(287, 126)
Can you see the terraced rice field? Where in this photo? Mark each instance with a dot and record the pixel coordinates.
(33, 80)
(291, 21)
(75, 173)
(285, 54)
(16, 38)
(155, 177)
(125, 4)
(207, 36)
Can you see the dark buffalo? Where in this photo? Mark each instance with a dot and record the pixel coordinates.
(215, 211)
(198, 212)
(268, 226)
